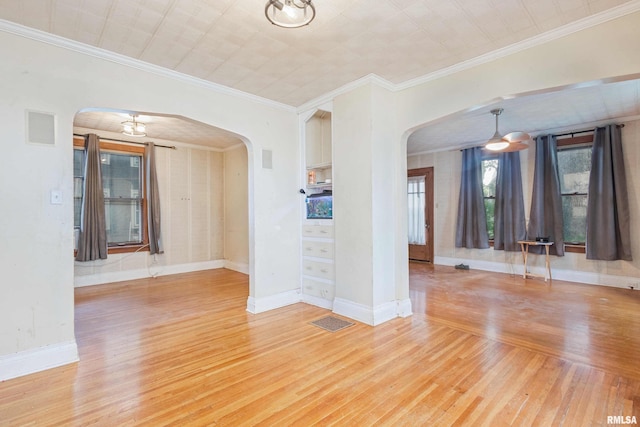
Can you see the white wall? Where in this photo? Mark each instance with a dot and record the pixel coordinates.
(36, 295)
(371, 277)
(236, 209)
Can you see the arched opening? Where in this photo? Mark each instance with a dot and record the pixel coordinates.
(437, 143)
(205, 196)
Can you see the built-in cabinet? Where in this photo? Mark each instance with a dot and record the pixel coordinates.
(317, 149)
(317, 253)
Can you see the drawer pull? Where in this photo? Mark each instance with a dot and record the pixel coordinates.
(324, 271)
(324, 251)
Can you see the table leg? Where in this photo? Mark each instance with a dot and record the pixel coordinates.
(547, 264)
(524, 247)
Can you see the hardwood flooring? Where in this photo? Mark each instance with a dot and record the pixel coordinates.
(481, 349)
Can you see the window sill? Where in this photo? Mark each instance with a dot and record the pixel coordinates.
(111, 250)
(128, 248)
(576, 249)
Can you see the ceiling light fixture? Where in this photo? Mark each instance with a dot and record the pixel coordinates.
(514, 141)
(290, 13)
(134, 128)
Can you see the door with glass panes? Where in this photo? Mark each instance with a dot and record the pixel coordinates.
(420, 213)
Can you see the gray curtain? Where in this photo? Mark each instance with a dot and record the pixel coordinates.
(510, 224)
(92, 241)
(545, 218)
(608, 232)
(471, 227)
(153, 201)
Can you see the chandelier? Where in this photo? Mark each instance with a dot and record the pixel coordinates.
(133, 127)
(290, 13)
(514, 141)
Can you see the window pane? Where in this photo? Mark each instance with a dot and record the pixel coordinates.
(123, 221)
(489, 176)
(574, 166)
(489, 208)
(78, 173)
(120, 175)
(416, 206)
(574, 213)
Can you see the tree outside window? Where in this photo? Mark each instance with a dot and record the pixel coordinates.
(489, 177)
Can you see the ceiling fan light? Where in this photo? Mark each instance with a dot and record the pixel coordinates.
(498, 145)
(510, 142)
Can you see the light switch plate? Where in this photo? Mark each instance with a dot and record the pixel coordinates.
(56, 197)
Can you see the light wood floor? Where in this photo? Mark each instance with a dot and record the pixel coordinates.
(480, 349)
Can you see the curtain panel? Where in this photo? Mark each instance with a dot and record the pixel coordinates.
(471, 225)
(92, 241)
(608, 219)
(153, 201)
(510, 224)
(545, 217)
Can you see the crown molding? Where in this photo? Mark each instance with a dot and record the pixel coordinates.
(582, 24)
(362, 81)
(96, 52)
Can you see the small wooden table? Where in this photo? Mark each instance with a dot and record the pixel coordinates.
(524, 246)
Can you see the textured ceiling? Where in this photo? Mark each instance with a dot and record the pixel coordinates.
(229, 42)
(158, 127)
(561, 111)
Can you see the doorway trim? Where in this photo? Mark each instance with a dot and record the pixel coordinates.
(428, 205)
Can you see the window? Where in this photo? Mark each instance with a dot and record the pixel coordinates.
(489, 177)
(574, 167)
(123, 186)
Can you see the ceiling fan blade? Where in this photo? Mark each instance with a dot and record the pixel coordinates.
(515, 146)
(516, 137)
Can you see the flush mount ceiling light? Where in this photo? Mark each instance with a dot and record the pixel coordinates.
(514, 141)
(290, 13)
(134, 128)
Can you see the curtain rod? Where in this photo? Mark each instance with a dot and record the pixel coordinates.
(173, 147)
(581, 131)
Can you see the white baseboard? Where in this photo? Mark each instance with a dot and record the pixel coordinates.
(585, 277)
(37, 359)
(143, 273)
(404, 308)
(317, 301)
(370, 315)
(240, 267)
(271, 302)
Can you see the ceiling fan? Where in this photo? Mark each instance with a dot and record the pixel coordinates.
(514, 141)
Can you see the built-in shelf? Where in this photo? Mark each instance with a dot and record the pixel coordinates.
(320, 185)
(321, 166)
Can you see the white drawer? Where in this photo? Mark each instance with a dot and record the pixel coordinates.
(318, 289)
(318, 269)
(317, 249)
(317, 231)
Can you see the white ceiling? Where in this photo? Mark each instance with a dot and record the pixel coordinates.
(229, 42)
(554, 112)
(158, 128)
